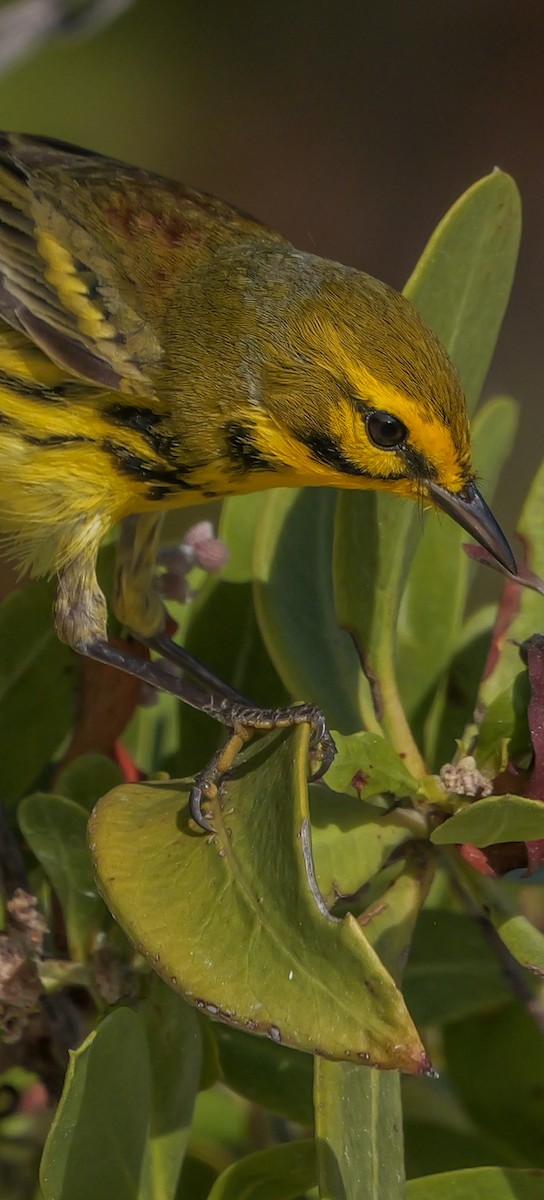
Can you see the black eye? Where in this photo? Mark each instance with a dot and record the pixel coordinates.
(385, 430)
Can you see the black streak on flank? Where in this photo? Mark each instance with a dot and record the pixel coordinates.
(55, 439)
(159, 491)
(144, 469)
(242, 453)
(132, 416)
(33, 391)
(144, 421)
(326, 450)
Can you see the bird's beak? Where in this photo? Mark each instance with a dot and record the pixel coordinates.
(471, 512)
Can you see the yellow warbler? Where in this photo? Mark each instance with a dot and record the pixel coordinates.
(159, 348)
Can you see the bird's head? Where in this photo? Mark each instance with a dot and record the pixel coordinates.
(367, 397)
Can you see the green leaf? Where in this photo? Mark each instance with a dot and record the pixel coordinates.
(88, 778)
(275, 1076)
(459, 687)
(505, 720)
(174, 1049)
(238, 527)
(523, 609)
(358, 1118)
(371, 756)
(55, 830)
(389, 923)
(491, 820)
(374, 539)
(478, 1183)
(522, 939)
(97, 1141)
(278, 1174)
(451, 972)
(460, 285)
(496, 1064)
(431, 1146)
(152, 736)
(436, 590)
(351, 840)
(463, 279)
(221, 1117)
(197, 1179)
(295, 605)
(231, 920)
(37, 676)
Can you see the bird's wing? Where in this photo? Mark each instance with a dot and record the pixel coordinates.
(90, 252)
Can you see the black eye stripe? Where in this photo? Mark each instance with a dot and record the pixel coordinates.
(385, 430)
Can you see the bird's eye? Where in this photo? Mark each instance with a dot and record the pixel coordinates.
(385, 430)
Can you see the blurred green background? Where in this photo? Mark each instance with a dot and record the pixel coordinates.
(350, 126)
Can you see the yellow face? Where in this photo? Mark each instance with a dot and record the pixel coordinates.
(339, 420)
(387, 439)
(409, 422)
(360, 393)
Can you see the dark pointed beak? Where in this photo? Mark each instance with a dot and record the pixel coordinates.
(471, 512)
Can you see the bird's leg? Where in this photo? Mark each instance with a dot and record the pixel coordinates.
(244, 722)
(81, 621)
(181, 657)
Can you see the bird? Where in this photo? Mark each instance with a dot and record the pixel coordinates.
(158, 348)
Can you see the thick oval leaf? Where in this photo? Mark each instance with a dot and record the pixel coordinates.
(493, 819)
(238, 526)
(37, 677)
(221, 1117)
(196, 1180)
(295, 605)
(432, 1146)
(174, 1046)
(275, 1076)
(463, 279)
(374, 539)
(390, 921)
(281, 1173)
(376, 764)
(351, 841)
(460, 688)
(97, 1142)
(436, 589)
(460, 285)
(505, 720)
(524, 941)
(522, 610)
(478, 1183)
(152, 737)
(55, 830)
(451, 971)
(496, 1064)
(88, 778)
(232, 922)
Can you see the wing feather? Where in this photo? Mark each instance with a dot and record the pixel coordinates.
(91, 252)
